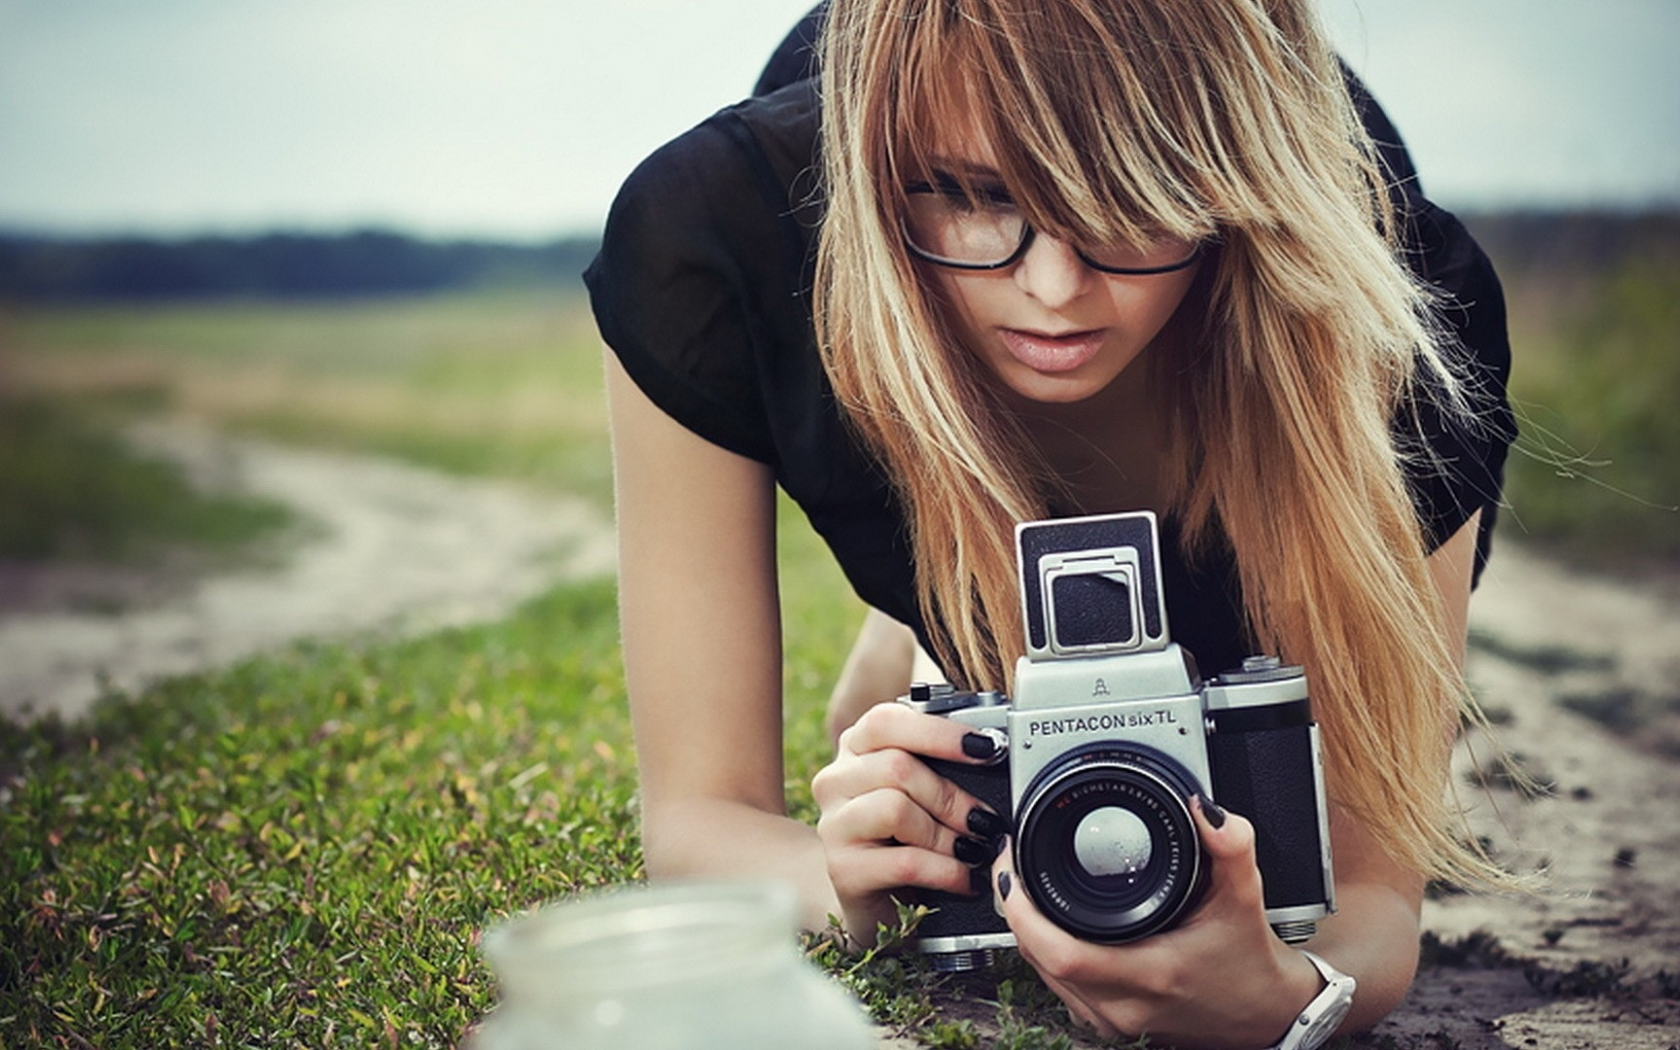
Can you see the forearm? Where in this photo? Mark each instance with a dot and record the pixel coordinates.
(1374, 938)
(697, 837)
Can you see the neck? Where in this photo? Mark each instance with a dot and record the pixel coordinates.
(1104, 449)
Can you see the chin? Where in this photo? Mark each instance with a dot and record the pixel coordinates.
(1066, 389)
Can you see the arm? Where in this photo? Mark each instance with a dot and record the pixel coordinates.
(702, 652)
(1222, 979)
(1374, 935)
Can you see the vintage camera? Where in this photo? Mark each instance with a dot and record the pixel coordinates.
(1110, 732)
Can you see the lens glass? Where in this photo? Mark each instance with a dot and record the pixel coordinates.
(976, 227)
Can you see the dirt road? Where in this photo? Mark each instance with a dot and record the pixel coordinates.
(388, 548)
(1594, 961)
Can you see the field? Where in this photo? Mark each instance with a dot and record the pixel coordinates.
(1595, 326)
(303, 849)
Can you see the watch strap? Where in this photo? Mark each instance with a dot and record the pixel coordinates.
(1318, 1020)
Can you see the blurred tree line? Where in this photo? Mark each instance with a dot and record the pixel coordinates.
(360, 263)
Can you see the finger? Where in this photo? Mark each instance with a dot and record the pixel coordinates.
(1228, 839)
(892, 725)
(1053, 952)
(858, 775)
(1008, 892)
(875, 868)
(883, 816)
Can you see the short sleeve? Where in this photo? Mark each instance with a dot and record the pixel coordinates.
(672, 290)
(1456, 459)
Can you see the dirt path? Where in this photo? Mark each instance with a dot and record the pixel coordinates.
(1595, 961)
(391, 548)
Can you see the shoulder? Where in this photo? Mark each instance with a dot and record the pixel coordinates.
(701, 270)
(1456, 448)
(736, 168)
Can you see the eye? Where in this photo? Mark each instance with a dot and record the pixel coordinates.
(968, 195)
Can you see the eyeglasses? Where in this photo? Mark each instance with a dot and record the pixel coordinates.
(980, 228)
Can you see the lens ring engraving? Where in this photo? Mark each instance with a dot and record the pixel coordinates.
(1123, 905)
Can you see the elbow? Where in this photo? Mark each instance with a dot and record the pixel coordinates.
(687, 836)
(1380, 992)
(666, 851)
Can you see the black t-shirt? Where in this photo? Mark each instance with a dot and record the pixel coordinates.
(702, 288)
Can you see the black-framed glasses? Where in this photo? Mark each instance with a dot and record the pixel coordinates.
(976, 228)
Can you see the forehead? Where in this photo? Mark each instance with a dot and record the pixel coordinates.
(952, 144)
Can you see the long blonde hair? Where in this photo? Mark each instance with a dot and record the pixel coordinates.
(1224, 119)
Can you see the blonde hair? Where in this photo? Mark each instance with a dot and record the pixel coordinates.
(1219, 119)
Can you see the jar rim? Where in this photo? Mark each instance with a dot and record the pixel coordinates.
(637, 935)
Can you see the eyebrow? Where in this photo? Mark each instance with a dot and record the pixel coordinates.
(955, 166)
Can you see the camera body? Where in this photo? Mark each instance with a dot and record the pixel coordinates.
(1110, 732)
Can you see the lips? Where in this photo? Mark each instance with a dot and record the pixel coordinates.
(1051, 354)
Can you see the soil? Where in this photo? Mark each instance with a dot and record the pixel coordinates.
(1581, 672)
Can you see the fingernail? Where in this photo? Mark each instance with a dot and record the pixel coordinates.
(979, 880)
(983, 746)
(1004, 885)
(985, 823)
(973, 851)
(1213, 811)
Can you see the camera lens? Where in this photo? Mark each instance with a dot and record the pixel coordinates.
(1106, 845)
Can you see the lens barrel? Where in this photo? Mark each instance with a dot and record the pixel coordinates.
(1106, 845)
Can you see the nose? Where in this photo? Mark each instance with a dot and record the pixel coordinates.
(1052, 272)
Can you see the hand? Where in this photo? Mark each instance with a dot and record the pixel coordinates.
(1220, 979)
(889, 821)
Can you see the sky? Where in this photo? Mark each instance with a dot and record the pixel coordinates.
(517, 119)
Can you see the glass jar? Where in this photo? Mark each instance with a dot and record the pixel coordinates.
(678, 965)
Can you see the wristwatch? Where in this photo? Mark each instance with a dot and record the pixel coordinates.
(1319, 1018)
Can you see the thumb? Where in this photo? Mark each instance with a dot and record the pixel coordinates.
(1228, 839)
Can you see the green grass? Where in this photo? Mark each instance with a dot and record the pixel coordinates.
(71, 490)
(302, 850)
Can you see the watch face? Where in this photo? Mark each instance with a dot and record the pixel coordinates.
(1324, 1025)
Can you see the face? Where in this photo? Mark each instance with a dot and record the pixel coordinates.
(1051, 328)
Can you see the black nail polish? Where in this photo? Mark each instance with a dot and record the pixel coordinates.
(1004, 885)
(1213, 811)
(979, 881)
(985, 823)
(973, 851)
(980, 745)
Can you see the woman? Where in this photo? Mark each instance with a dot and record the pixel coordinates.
(1056, 258)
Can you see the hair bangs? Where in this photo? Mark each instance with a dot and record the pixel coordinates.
(1082, 128)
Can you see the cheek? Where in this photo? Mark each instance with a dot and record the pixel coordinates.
(968, 306)
(1145, 309)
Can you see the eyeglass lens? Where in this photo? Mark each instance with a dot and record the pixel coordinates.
(985, 229)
